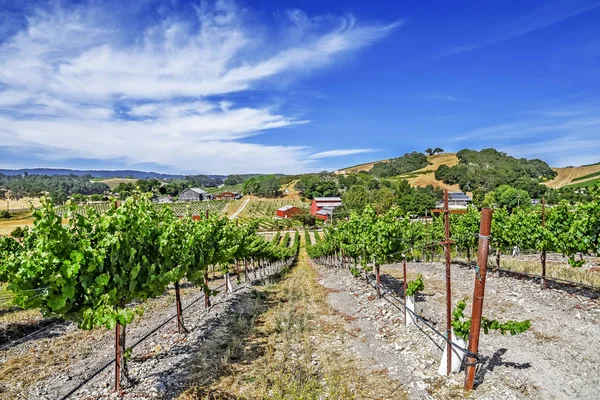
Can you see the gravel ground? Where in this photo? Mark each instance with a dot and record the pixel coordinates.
(558, 358)
(68, 355)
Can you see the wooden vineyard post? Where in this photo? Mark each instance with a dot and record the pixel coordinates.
(237, 271)
(206, 214)
(405, 287)
(543, 244)
(447, 242)
(478, 294)
(180, 327)
(117, 358)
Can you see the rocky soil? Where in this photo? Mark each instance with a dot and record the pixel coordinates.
(558, 358)
(49, 364)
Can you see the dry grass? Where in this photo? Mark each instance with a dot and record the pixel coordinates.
(233, 205)
(424, 179)
(114, 182)
(358, 168)
(47, 357)
(9, 225)
(560, 271)
(22, 204)
(566, 175)
(288, 353)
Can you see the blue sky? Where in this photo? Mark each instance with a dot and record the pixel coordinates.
(294, 86)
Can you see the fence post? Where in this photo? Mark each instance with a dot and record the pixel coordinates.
(206, 289)
(478, 294)
(405, 287)
(117, 357)
(446, 244)
(180, 326)
(544, 247)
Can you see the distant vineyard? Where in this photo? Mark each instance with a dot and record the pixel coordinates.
(193, 208)
(266, 208)
(232, 188)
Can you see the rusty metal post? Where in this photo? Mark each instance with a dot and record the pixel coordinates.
(426, 249)
(378, 281)
(544, 249)
(405, 287)
(117, 357)
(446, 244)
(478, 294)
(206, 295)
(180, 326)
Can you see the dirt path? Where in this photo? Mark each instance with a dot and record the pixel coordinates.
(239, 210)
(539, 364)
(295, 349)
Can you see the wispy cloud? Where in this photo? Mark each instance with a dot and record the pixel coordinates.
(568, 135)
(340, 153)
(548, 14)
(442, 97)
(79, 83)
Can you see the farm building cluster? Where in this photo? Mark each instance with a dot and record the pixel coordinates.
(323, 207)
(197, 194)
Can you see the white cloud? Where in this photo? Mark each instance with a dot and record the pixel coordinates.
(564, 135)
(546, 14)
(340, 153)
(79, 84)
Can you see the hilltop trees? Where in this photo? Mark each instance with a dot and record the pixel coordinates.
(397, 166)
(263, 186)
(489, 169)
(323, 184)
(431, 152)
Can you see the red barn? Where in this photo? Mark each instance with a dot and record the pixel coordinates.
(287, 211)
(227, 196)
(322, 207)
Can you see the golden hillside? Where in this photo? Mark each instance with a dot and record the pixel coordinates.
(567, 175)
(422, 177)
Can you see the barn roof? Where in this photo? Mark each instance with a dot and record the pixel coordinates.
(328, 198)
(324, 211)
(458, 196)
(198, 190)
(285, 208)
(328, 204)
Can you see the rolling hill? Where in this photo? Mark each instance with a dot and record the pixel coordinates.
(572, 175)
(425, 176)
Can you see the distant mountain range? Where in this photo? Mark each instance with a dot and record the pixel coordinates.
(97, 173)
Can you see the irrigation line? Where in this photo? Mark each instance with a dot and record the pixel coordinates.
(109, 363)
(492, 268)
(386, 292)
(154, 330)
(11, 344)
(420, 318)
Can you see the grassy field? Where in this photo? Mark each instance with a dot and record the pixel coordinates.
(567, 176)
(22, 204)
(231, 188)
(114, 182)
(20, 220)
(587, 182)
